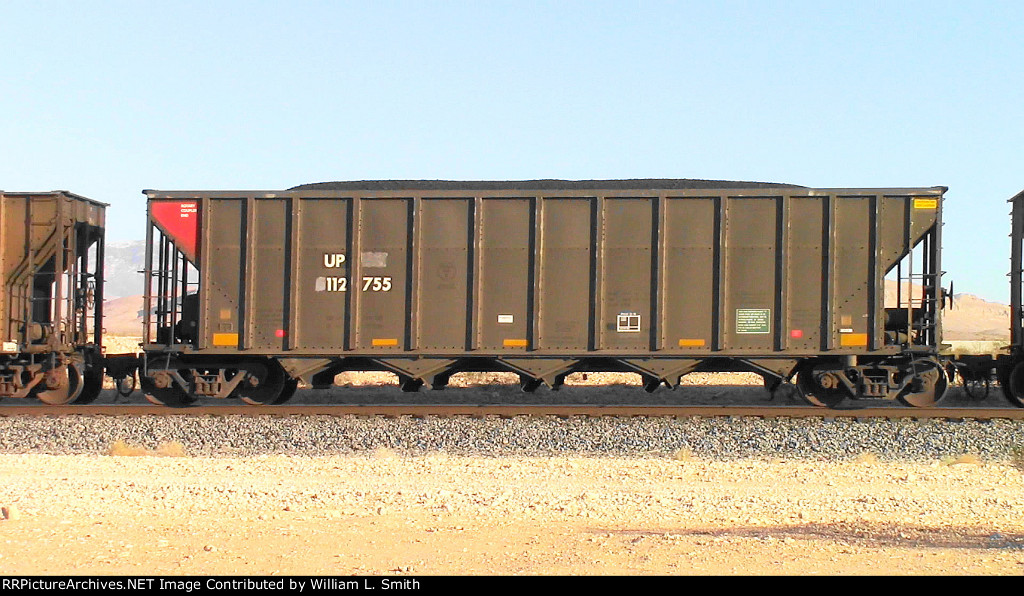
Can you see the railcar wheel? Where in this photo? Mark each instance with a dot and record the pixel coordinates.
(1013, 385)
(160, 389)
(62, 386)
(289, 391)
(787, 392)
(265, 384)
(814, 393)
(782, 389)
(1003, 376)
(125, 386)
(410, 385)
(928, 386)
(529, 384)
(976, 386)
(651, 384)
(92, 387)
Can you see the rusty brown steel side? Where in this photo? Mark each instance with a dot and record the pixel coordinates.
(646, 276)
(1010, 367)
(51, 312)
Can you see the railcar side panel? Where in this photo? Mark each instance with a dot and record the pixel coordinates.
(444, 281)
(691, 274)
(617, 273)
(627, 275)
(807, 272)
(562, 312)
(381, 275)
(321, 293)
(853, 276)
(750, 274)
(267, 322)
(223, 272)
(506, 275)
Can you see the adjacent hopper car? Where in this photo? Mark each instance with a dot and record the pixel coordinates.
(51, 307)
(247, 293)
(1010, 368)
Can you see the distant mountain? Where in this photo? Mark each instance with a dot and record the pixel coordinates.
(970, 318)
(124, 261)
(973, 318)
(123, 316)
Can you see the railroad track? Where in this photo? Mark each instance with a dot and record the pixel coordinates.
(450, 410)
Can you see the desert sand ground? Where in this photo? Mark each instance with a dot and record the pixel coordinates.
(165, 513)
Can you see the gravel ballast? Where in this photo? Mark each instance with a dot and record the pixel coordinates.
(716, 438)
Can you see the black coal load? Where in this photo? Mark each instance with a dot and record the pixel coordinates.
(641, 183)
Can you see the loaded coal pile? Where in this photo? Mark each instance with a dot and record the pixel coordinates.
(653, 183)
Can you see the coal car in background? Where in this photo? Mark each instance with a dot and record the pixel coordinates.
(1010, 366)
(51, 307)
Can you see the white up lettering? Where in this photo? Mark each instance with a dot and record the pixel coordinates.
(332, 260)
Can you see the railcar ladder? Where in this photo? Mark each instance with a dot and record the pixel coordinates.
(922, 305)
(165, 303)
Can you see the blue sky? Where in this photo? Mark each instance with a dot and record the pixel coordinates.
(108, 98)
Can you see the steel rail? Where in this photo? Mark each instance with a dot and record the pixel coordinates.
(508, 411)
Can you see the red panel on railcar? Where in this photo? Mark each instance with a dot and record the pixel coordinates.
(180, 221)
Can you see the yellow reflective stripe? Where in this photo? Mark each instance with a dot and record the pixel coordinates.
(853, 339)
(225, 339)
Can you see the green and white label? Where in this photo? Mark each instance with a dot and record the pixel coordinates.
(753, 320)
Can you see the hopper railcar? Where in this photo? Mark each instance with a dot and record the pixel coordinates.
(984, 363)
(1010, 366)
(51, 307)
(249, 292)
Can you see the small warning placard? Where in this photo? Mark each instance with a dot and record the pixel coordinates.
(753, 320)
